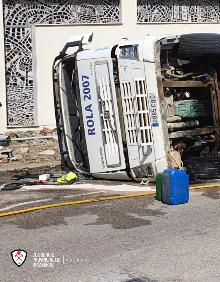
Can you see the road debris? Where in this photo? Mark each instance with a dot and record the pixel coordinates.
(17, 181)
(3, 159)
(44, 177)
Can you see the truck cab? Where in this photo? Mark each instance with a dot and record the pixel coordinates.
(133, 109)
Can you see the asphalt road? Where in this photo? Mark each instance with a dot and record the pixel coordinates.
(131, 240)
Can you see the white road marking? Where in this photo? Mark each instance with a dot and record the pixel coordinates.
(25, 203)
(84, 194)
(47, 200)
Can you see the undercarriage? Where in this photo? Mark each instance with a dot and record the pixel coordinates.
(190, 72)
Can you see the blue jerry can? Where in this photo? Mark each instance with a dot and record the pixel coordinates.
(175, 187)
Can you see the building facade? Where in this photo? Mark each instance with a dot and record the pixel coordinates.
(33, 32)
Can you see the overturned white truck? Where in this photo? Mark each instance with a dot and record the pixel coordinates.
(131, 110)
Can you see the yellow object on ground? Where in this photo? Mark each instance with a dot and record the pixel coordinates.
(68, 178)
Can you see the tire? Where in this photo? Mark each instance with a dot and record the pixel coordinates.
(204, 167)
(197, 45)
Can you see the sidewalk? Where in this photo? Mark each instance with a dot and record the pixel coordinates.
(97, 185)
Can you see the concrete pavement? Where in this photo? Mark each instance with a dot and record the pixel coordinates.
(121, 241)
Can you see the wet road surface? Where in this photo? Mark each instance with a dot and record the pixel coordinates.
(130, 240)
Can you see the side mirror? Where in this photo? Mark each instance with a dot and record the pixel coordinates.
(84, 38)
(77, 41)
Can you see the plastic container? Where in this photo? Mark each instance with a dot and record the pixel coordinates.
(159, 180)
(175, 187)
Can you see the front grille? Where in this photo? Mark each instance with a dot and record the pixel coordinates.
(107, 115)
(129, 112)
(143, 112)
(136, 112)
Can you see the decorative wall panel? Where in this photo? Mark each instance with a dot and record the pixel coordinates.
(186, 11)
(96, 11)
(19, 17)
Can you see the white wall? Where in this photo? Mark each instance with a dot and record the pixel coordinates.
(51, 38)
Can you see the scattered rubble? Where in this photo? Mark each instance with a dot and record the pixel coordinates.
(3, 159)
(48, 152)
(31, 151)
(5, 151)
(31, 133)
(46, 131)
(23, 150)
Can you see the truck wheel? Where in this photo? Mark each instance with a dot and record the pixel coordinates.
(197, 45)
(204, 167)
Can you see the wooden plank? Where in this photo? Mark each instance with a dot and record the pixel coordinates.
(186, 83)
(190, 133)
